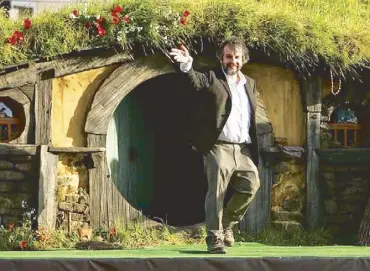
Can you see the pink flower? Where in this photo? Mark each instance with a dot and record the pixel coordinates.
(101, 31)
(100, 20)
(127, 19)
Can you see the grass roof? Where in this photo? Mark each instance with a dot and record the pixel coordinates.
(302, 33)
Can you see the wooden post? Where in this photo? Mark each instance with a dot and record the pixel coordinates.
(47, 206)
(311, 90)
(43, 105)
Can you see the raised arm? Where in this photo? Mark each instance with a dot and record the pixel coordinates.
(181, 56)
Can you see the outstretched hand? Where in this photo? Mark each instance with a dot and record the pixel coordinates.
(180, 55)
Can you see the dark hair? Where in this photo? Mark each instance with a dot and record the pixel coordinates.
(234, 42)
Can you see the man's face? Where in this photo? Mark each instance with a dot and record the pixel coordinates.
(232, 60)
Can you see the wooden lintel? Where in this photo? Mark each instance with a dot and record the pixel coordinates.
(17, 149)
(61, 66)
(75, 149)
(43, 107)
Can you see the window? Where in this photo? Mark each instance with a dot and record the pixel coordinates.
(11, 121)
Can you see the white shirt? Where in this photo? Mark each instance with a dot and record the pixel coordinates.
(236, 129)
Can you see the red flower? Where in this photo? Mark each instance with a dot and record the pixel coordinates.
(113, 231)
(12, 40)
(127, 19)
(101, 31)
(114, 13)
(117, 9)
(100, 20)
(184, 20)
(16, 37)
(186, 13)
(88, 25)
(115, 20)
(75, 12)
(23, 244)
(27, 23)
(11, 226)
(19, 35)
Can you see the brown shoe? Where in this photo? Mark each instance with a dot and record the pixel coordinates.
(229, 240)
(215, 245)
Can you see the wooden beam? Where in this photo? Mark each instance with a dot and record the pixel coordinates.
(62, 65)
(47, 204)
(16, 94)
(75, 149)
(312, 89)
(43, 106)
(17, 149)
(19, 78)
(97, 190)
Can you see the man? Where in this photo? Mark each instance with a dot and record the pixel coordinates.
(224, 130)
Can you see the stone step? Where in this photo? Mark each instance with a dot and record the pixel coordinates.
(286, 216)
(289, 226)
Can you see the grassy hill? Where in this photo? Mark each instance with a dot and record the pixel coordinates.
(301, 33)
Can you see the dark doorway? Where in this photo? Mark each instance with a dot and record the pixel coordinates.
(155, 168)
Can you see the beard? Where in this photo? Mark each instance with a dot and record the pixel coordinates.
(231, 69)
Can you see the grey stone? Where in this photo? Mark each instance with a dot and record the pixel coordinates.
(291, 205)
(281, 167)
(7, 187)
(353, 198)
(287, 216)
(77, 217)
(5, 165)
(24, 187)
(289, 226)
(338, 219)
(24, 166)
(10, 175)
(329, 176)
(328, 169)
(72, 198)
(10, 219)
(79, 208)
(331, 207)
(16, 212)
(21, 158)
(349, 191)
(66, 206)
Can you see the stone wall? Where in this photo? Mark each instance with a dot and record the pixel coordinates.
(73, 199)
(288, 194)
(18, 184)
(345, 194)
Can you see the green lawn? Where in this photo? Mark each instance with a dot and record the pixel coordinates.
(251, 250)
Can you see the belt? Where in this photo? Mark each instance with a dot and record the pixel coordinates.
(227, 142)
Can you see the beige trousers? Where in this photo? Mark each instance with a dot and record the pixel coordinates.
(227, 162)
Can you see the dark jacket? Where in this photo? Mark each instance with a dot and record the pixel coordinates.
(211, 109)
